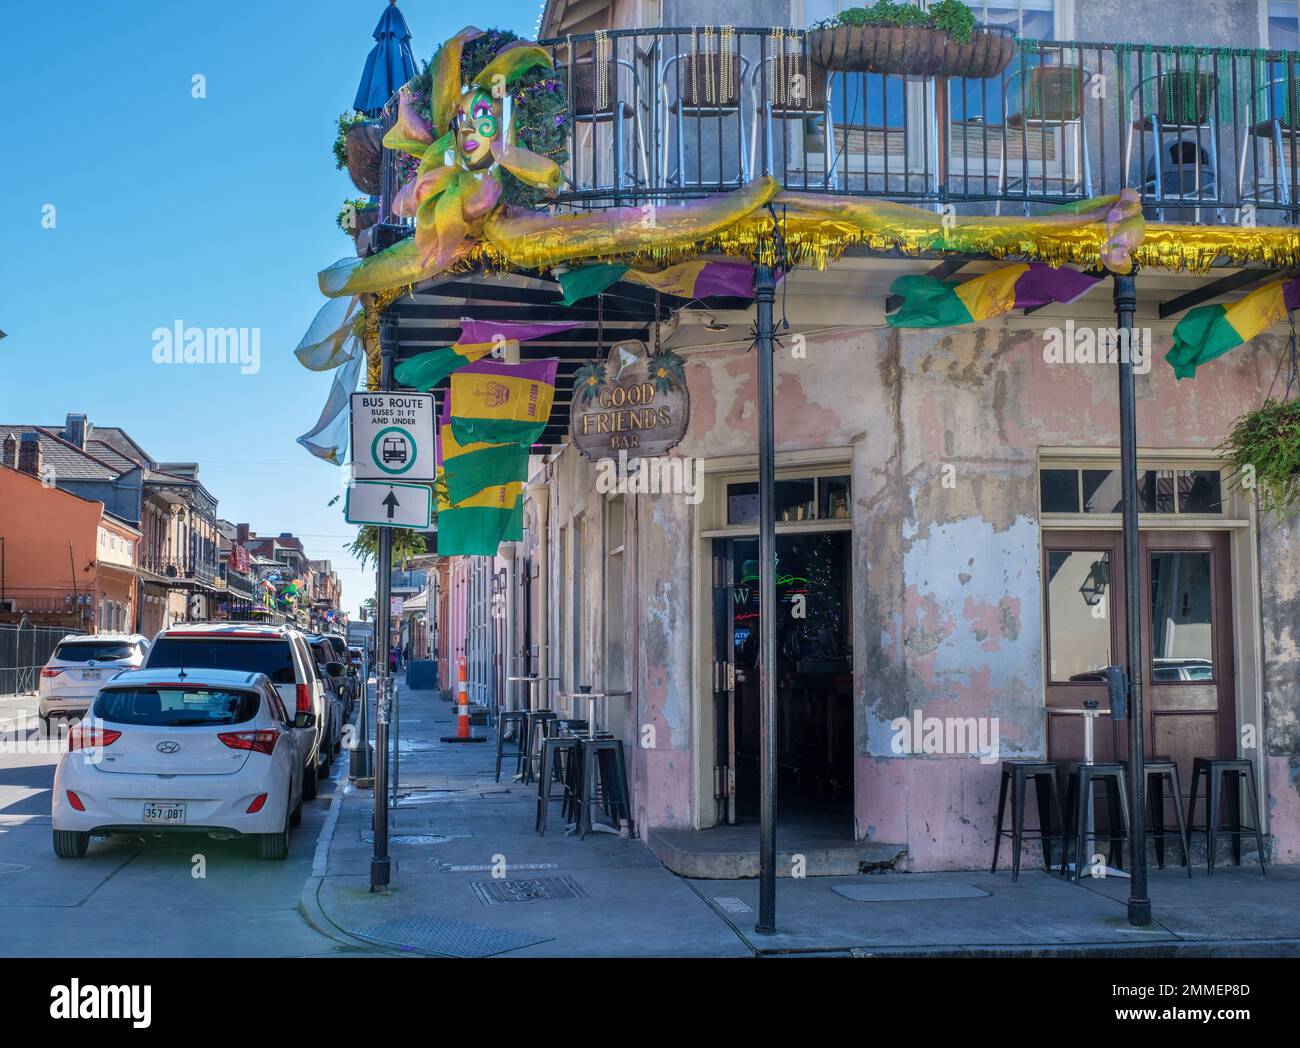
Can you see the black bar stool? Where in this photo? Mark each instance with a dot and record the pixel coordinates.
(603, 772)
(537, 728)
(1157, 770)
(1047, 782)
(508, 718)
(1219, 771)
(559, 754)
(1082, 779)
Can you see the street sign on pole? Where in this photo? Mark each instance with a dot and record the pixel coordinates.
(386, 504)
(392, 436)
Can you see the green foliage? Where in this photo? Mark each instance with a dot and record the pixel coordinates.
(1264, 449)
(346, 121)
(952, 16)
(406, 544)
(347, 216)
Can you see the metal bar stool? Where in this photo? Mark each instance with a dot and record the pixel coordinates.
(518, 719)
(536, 728)
(559, 754)
(603, 774)
(1083, 776)
(1158, 769)
(1047, 782)
(1218, 772)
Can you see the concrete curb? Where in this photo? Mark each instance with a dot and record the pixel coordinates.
(309, 906)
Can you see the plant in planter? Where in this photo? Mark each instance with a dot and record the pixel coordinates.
(901, 38)
(1264, 450)
(345, 123)
(357, 214)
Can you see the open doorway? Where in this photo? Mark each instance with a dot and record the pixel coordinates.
(814, 681)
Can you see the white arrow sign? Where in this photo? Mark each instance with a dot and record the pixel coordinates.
(388, 504)
(392, 436)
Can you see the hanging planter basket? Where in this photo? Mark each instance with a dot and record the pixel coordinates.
(916, 51)
(1264, 450)
(365, 145)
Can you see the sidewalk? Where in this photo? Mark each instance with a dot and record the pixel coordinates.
(608, 896)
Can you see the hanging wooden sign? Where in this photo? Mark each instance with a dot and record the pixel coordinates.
(635, 402)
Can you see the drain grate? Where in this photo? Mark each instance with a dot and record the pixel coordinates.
(534, 889)
(485, 867)
(450, 938)
(731, 904)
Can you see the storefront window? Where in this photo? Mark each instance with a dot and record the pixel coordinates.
(1170, 491)
(804, 498)
(1078, 614)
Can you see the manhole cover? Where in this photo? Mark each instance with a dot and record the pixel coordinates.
(535, 889)
(732, 904)
(486, 867)
(442, 935)
(408, 838)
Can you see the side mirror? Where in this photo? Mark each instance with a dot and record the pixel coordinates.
(335, 669)
(305, 720)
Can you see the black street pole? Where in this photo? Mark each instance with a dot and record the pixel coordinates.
(379, 862)
(1139, 904)
(764, 296)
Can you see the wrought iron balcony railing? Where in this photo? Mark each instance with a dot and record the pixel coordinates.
(1206, 135)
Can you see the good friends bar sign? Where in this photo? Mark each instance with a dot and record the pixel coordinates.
(634, 402)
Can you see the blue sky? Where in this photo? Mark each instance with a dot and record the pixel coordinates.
(217, 212)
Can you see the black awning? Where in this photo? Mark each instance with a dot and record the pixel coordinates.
(429, 318)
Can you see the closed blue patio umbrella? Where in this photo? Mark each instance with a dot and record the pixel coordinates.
(389, 64)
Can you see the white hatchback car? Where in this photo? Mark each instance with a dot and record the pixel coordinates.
(207, 751)
(80, 666)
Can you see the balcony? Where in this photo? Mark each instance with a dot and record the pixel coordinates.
(1205, 135)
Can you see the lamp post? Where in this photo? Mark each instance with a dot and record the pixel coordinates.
(764, 297)
(1139, 904)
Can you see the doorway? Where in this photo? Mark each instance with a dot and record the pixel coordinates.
(814, 680)
(1188, 670)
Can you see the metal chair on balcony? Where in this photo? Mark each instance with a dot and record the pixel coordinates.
(1184, 103)
(703, 85)
(1282, 133)
(596, 93)
(1051, 99)
(796, 89)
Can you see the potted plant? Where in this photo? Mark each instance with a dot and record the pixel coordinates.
(357, 214)
(900, 38)
(1264, 450)
(358, 146)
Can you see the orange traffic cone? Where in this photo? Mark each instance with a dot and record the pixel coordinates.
(463, 732)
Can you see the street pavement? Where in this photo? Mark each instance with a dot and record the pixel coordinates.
(471, 878)
(139, 896)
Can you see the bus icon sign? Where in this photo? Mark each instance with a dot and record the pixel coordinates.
(392, 436)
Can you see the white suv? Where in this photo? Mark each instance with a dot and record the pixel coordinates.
(281, 653)
(80, 666)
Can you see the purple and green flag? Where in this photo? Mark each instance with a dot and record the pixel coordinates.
(699, 278)
(930, 303)
(497, 403)
(477, 339)
(1207, 332)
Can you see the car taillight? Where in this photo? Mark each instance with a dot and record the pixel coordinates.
(82, 737)
(49, 671)
(304, 699)
(258, 741)
(256, 806)
(75, 801)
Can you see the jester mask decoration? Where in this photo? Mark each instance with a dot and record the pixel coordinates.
(458, 183)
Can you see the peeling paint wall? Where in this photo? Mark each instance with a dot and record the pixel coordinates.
(944, 429)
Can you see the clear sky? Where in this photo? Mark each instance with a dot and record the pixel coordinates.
(217, 212)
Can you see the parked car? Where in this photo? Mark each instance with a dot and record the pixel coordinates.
(80, 666)
(281, 653)
(196, 750)
(359, 665)
(334, 674)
